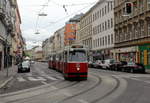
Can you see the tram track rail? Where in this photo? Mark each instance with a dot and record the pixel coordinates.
(24, 99)
(98, 83)
(109, 93)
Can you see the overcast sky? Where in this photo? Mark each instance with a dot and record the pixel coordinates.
(55, 19)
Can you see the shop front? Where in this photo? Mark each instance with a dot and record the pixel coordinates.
(144, 51)
(103, 54)
(127, 54)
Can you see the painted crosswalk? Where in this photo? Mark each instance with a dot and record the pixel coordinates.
(38, 78)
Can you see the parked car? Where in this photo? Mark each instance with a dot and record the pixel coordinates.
(118, 65)
(134, 67)
(90, 63)
(24, 66)
(97, 64)
(108, 64)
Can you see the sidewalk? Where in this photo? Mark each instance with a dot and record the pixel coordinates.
(11, 73)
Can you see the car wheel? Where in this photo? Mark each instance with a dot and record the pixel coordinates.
(29, 70)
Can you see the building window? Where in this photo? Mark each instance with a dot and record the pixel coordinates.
(105, 25)
(108, 39)
(103, 41)
(111, 23)
(108, 7)
(105, 10)
(111, 4)
(100, 28)
(108, 24)
(142, 30)
(98, 14)
(98, 42)
(148, 28)
(112, 39)
(93, 17)
(102, 11)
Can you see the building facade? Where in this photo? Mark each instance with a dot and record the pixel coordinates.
(132, 32)
(7, 31)
(85, 34)
(71, 29)
(97, 30)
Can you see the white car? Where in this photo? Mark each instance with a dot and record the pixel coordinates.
(97, 64)
(107, 63)
(24, 66)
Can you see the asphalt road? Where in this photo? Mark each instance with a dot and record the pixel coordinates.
(43, 85)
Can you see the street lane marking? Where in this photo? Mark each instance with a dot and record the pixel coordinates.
(21, 79)
(52, 78)
(82, 101)
(41, 78)
(32, 79)
(44, 83)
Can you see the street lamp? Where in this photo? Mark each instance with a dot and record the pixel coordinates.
(37, 32)
(42, 14)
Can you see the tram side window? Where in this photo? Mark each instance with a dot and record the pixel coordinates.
(77, 56)
(65, 57)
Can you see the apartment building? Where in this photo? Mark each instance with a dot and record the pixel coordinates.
(132, 32)
(45, 48)
(7, 31)
(85, 31)
(103, 29)
(71, 29)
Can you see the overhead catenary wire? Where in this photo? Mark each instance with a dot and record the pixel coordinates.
(79, 4)
(62, 19)
(37, 20)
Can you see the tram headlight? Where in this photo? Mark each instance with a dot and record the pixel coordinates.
(78, 69)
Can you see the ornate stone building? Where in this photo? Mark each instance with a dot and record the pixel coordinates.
(132, 32)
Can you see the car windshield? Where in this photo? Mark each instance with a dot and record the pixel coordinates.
(77, 56)
(25, 63)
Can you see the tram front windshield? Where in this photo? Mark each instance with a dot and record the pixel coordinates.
(79, 56)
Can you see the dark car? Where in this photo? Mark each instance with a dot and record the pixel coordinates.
(134, 67)
(118, 65)
(24, 66)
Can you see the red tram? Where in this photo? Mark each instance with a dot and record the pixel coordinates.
(72, 62)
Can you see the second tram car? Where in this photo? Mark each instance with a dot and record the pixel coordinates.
(72, 62)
